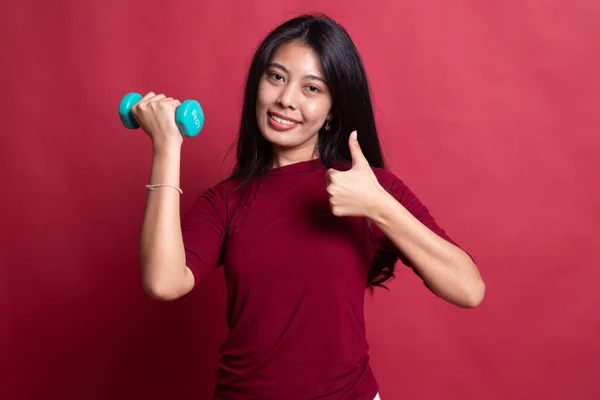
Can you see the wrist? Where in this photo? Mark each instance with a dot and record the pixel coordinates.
(170, 147)
(381, 206)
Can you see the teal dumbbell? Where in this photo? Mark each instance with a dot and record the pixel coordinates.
(189, 116)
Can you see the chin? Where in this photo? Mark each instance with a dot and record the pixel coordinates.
(281, 139)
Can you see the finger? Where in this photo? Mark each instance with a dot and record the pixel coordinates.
(358, 158)
(142, 103)
(147, 96)
(330, 190)
(331, 175)
(335, 210)
(174, 102)
(157, 98)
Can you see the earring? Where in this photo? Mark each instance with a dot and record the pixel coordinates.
(327, 127)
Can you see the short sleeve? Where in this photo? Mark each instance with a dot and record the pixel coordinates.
(203, 230)
(384, 246)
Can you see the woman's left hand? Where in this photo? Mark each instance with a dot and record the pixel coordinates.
(355, 192)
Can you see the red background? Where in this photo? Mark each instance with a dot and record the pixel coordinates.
(489, 110)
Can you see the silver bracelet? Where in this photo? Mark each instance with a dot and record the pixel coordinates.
(151, 187)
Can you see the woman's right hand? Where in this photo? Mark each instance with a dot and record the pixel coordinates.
(155, 113)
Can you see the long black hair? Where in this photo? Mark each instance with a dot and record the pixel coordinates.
(351, 109)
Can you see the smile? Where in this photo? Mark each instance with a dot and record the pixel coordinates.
(283, 120)
(281, 124)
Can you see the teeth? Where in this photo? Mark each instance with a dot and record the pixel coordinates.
(283, 121)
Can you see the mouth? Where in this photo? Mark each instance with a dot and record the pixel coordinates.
(281, 123)
(283, 120)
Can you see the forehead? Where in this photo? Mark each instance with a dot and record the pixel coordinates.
(298, 58)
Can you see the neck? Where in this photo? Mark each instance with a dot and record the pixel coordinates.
(283, 157)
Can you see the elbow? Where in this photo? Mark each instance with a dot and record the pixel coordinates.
(473, 291)
(475, 294)
(168, 285)
(160, 292)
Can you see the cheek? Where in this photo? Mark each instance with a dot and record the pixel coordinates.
(265, 95)
(315, 112)
(260, 97)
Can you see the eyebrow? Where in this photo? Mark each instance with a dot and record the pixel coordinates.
(276, 65)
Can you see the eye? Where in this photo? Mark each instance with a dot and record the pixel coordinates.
(276, 76)
(314, 89)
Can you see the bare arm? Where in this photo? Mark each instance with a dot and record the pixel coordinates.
(162, 257)
(448, 270)
(161, 251)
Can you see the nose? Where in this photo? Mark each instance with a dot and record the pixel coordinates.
(288, 97)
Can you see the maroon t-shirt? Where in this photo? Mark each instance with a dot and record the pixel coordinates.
(296, 277)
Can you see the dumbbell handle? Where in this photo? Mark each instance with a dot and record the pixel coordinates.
(189, 116)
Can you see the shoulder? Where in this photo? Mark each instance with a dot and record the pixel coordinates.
(384, 174)
(389, 181)
(223, 189)
(215, 193)
(215, 199)
(400, 191)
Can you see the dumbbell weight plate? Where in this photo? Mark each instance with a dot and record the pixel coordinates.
(189, 118)
(127, 103)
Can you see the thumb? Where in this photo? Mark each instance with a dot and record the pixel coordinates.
(358, 158)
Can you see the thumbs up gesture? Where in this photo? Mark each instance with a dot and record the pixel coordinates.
(355, 192)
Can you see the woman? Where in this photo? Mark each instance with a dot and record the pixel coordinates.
(306, 222)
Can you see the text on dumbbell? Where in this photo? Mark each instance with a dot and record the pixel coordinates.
(196, 120)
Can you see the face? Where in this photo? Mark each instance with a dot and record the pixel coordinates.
(293, 101)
